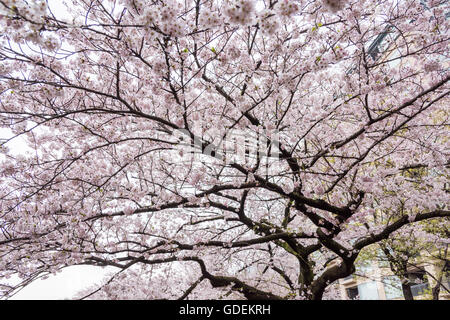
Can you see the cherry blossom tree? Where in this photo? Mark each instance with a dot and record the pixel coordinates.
(344, 97)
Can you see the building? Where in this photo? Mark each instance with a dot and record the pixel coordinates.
(376, 281)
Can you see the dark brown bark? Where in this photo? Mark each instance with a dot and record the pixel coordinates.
(407, 293)
(436, 290)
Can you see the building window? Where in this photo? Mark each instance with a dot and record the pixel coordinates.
(418, 282)
(368, 291)
(364, 291)
(352, 293)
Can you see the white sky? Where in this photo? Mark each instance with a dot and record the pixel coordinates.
(63, 285)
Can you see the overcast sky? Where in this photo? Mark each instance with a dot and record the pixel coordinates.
(64, 285)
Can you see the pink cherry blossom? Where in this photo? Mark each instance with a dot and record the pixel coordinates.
(211, 149)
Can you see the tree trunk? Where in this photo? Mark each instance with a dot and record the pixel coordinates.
(436, 290)
(407, 293)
